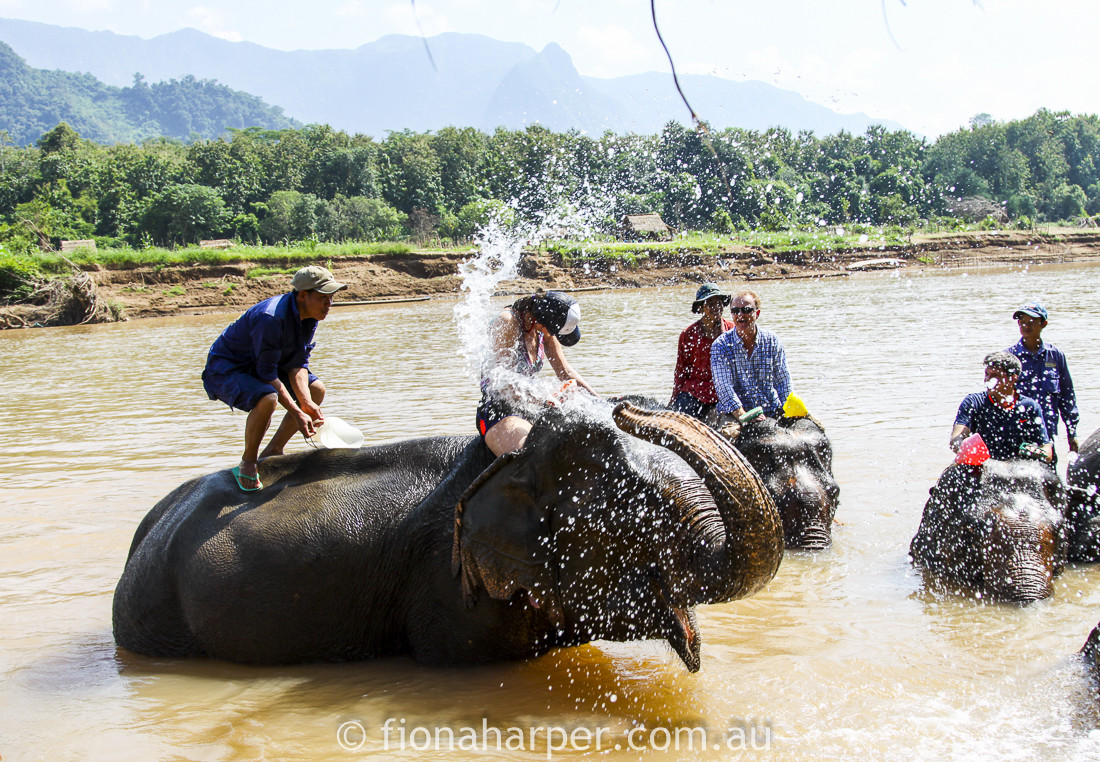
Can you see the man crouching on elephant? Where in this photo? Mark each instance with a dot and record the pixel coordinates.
(1010, 425)
(262, 360)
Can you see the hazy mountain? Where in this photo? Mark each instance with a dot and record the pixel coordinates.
(33, 101)
(390, 84)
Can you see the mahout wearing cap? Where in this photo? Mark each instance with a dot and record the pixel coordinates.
(1034, 309)
(707, 291)
(316, 278)
(561, 315)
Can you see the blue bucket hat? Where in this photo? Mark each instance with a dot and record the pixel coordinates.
(1035, 309)
(706, 291)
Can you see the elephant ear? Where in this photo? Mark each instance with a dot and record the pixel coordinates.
(502, 537)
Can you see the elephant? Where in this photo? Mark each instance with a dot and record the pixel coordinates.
(998, 528)
(795, 459)
(608, 524)
(1083, 477)
(1090, 654)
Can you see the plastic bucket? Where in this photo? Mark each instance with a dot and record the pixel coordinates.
(972, 451)
(335, 433)
(558, 398)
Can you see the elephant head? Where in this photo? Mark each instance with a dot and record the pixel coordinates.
(1022, 504)
(616, 538)
(1083, 478)
(795, 459)
(999, 528)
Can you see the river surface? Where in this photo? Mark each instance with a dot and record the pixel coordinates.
(848, 653)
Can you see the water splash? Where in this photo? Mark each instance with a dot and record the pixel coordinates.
(498, 250)
(499, 247)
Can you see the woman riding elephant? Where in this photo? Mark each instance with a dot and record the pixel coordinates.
(602, 527)
(533, 329)
(693, 382)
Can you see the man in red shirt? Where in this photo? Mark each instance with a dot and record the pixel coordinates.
(693, 386)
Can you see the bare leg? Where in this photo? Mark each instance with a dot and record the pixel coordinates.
(255, 426)
(508, 435)
(288, 427)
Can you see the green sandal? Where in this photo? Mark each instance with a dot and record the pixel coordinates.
(236, 470)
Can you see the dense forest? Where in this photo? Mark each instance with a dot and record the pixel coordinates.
(33, 101)
(316, 183)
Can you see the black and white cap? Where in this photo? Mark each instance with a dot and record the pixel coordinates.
(561, 315)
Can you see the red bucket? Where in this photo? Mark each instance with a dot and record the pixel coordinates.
(972, 451)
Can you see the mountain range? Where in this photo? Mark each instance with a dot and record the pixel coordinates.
(392, 85)
(34, 101)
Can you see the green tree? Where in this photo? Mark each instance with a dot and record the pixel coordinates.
(462, 154)
(1066, 202)
(185, 214)
(478, 214)
(410, 173)
(359, 219)
(290, 216)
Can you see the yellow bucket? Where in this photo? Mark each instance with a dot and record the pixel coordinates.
(794, 407)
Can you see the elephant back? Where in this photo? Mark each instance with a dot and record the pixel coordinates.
(1083, 479)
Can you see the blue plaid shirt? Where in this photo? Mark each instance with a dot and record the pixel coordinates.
(745, 382)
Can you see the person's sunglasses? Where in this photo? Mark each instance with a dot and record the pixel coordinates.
(746, 310)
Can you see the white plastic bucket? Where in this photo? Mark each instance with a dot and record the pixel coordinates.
(335, 433)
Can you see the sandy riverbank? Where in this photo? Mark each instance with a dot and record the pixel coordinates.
(183, 290)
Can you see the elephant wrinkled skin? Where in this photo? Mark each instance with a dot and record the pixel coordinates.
(1090, 653)
(795, 459)
(429, 547)
(998, 528)
(1083, 477)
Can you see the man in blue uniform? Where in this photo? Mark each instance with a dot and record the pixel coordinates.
(262, 360)
(1010, 425)
(1045, 376)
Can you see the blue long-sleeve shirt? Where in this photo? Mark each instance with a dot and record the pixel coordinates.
(1045, 378)
(267, 340)
(746, 382)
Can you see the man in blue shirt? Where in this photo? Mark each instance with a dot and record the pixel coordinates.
(749, 364)
(1010, 425)
(262, 360)
(1045, 376)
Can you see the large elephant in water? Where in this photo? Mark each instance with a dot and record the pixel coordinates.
(1083, 476)
(430, 547)
(795, 459)
(998, 528)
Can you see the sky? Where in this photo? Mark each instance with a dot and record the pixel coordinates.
(929, 65)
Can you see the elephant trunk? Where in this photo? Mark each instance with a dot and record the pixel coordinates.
(806, 508)
(748, 556)
(1019, 561)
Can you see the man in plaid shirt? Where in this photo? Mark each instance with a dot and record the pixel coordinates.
(749, 364)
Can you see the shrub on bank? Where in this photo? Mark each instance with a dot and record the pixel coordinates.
(18, 276)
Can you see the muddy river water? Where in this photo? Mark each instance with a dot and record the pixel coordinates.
(848, 653)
